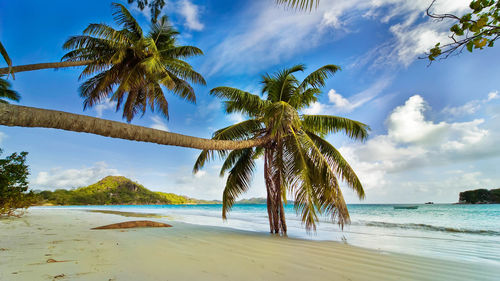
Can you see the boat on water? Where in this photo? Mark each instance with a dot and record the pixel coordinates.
(429, 203)
(405, 207)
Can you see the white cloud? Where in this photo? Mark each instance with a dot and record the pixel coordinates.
(493, 95)
(314, 108)
(338, 100)
(105, 105)
(265, 35)
(200, 174)
(191, 14)
(235, 117)
(407, 123)
(158, 123)
(414, 142)
(69, 178)
(470, 107)
(340, 104)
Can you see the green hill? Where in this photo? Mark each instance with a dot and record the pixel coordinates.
(114, 190)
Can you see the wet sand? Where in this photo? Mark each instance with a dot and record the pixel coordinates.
(58, 244)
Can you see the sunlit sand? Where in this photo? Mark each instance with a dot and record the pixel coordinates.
(58, 244)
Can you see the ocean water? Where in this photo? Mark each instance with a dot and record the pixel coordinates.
(469, 233)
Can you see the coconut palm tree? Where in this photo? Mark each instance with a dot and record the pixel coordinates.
(132, 67)
(297, 159)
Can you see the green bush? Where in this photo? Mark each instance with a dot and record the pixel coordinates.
(14, 193)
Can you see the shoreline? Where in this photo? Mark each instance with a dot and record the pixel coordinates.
(186, 251)
(417, 236)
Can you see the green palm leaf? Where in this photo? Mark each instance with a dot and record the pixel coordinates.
(318, 78)
(240, 101)
(238, 180)
(243, 130)
(123, 17)
(325, 124)
(6, 92)
(339, 164)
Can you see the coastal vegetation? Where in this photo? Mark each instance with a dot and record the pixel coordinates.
(113, 190)
(297, 159)
(480, 196)
(14, 193)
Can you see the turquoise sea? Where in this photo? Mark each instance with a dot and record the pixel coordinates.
(468, 233)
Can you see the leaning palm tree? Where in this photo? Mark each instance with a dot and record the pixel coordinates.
(297, 159)
(30, 117)
(131, 67)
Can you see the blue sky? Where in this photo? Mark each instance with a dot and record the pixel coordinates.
(435, 128)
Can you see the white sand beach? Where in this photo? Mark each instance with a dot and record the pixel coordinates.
(192, 252)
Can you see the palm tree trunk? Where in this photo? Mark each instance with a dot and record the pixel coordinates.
(268, 190)
(279, 204)
(23, 116)
(37, 66)
(275, 208)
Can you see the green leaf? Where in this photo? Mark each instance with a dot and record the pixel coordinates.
(470, 45)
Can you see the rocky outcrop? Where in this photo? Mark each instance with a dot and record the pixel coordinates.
(480, 196)
(133, 224)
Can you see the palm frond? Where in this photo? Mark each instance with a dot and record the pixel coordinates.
(325, 124)
(123, 17)
(240, 131)
(339, 164)
(301, 178)
(184, 71)
(104, 31)
(318, 77)
(238, 181)
(183, 89)
(281, 85)
(182, 52)
(231, 159)
(302, 99)
(6, 92)
(240, 101)
(97, 88)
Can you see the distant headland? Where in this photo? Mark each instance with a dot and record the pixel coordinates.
(114, 190)
(480, 196)
(118, 190)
